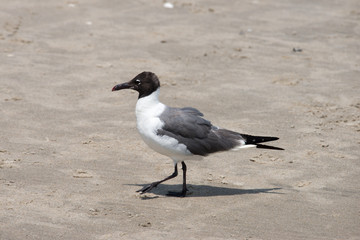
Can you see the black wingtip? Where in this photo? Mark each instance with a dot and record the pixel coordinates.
(268, 147)
(257, 139)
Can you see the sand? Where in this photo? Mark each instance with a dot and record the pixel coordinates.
(70, 155)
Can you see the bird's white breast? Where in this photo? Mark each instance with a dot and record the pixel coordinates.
(148, 110)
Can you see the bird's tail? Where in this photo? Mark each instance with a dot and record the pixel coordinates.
(255, 141)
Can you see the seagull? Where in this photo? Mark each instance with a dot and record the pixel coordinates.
(180, 133)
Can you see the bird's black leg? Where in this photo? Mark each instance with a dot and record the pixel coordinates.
(184, 188)
(154, 184)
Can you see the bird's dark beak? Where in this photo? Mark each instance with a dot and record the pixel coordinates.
(122, 86)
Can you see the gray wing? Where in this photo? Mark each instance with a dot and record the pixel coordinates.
(186, 122)
(198, 134)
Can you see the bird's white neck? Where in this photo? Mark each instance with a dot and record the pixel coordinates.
(149, 106)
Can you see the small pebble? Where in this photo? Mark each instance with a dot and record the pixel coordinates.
(81, 174)
(168, 5)
(148, 224)
(224, 182)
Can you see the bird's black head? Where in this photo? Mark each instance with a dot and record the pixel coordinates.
(145, 83)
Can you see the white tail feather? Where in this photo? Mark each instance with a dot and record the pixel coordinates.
(243, 146)
(248, 146)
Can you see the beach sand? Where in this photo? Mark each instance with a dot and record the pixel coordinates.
(71, 159)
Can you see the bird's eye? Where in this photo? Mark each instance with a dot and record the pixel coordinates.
(137, 81)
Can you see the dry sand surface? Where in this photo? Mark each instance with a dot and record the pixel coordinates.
(70, 155)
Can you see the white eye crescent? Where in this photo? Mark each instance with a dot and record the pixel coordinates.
(137, 81)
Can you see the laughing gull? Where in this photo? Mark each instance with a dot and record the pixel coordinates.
(180, 133)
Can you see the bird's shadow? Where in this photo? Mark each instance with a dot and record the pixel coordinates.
(205, 190)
